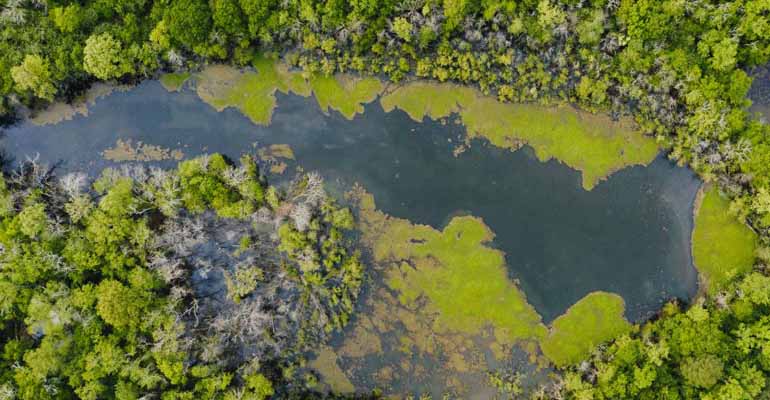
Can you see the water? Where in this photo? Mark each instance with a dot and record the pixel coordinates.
(759, 93)
(629, 235)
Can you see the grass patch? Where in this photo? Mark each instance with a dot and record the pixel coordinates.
(722, 246)
(173, 81)
(594, 319)
(592, 144)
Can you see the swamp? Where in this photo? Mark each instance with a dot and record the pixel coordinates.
(492, 233)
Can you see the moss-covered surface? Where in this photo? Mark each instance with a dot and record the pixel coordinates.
(173, 81)
(595, 318)
(722, 246)
(592, 144)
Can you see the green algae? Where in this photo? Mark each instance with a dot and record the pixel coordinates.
(592, 144)
(722, 246)
(173, 81)
(464, 281)
(596, 318)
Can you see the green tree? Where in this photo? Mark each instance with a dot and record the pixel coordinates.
(228, 17)
(704, 371)
(34, 75)
(67, 19)
(119, 305)
(403, 28)
(102, 57)
(189, 22)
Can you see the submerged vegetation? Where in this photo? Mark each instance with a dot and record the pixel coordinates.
(85, 313)
(202, 282)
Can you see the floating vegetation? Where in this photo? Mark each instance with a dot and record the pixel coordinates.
(593, 144)
(590, 143)
(345, 93)
(125, 150)
(722, 246)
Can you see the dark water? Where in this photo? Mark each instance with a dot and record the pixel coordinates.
(759, 93)
(629, 235)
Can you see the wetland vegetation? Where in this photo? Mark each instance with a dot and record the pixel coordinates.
(185, 275)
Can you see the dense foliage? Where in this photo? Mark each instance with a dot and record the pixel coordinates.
(680, 67)
(116, 292)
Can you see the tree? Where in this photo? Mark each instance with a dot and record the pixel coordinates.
(102, 57)
(403, 28)
(67, 19)
(189, 22)
(118, 305)
(704, 371)
(228, 17)
(33, 74)
(724, 54)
